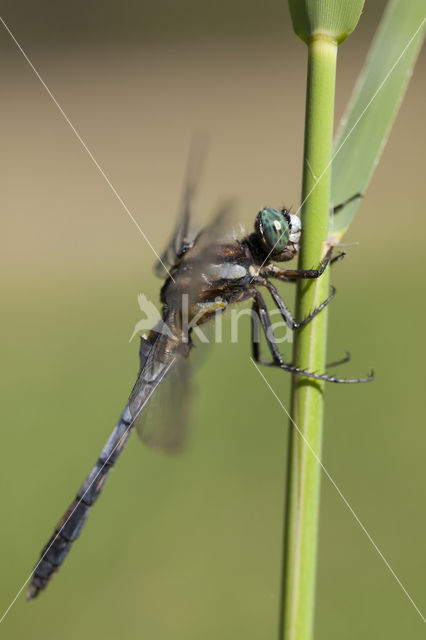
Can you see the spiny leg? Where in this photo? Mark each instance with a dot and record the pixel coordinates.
(292, 275)
(336, 363)
(339, 256)
(255, 335)
(343, 204)
(260, 307)
(255, 341)
(286, 314)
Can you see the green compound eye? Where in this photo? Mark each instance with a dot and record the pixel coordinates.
(274, 227)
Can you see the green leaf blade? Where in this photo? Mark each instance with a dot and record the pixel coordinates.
(374, 105)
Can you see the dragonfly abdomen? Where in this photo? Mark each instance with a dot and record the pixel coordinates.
(72, 522)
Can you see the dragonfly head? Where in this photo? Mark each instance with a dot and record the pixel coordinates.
(279, 233)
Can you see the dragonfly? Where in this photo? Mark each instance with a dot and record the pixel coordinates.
(206, 273)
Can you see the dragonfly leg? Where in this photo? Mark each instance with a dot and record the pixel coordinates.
(277, 361)
(336, 363)
(292, 275)
(260, 312)
(255, 337)
(291, 322)
(343, 204)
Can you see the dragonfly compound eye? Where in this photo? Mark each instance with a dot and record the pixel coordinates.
(274, 228)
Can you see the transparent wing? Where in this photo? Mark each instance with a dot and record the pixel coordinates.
(159, 396)
(183, 233)
(207, 248)
(216, 231)
(164, 424)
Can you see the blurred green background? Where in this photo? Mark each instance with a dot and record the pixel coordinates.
(189, 546)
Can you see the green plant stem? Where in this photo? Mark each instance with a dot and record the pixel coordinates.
(303, 486)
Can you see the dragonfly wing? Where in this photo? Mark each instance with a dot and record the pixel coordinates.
(183, 233)
(164, 423)
(160, 418)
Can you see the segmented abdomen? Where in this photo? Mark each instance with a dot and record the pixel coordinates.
(69, 526)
